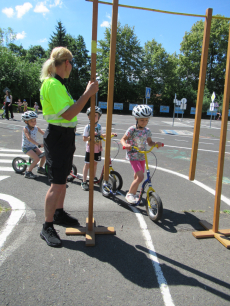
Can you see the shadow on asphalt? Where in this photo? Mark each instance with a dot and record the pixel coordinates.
(175, 278)
(133, 264)
(173, 221)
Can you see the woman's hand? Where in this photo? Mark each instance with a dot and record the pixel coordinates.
(92, 88)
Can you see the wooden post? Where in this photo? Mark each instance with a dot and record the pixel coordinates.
(213, 231)
(92, 114)
(223, 133)
(113, 39)
(90, 230)
(200, 95)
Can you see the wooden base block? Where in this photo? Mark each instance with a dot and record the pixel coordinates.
(90, 235)
(220, 235)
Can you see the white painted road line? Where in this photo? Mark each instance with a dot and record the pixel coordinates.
(6, 169)
(18, 211)
(153, 257)
(6, 161)
(9, 150)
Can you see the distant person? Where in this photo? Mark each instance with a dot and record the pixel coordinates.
(218, 117)
(25, 105)
(8, 105)
(19, 105)
(30, 146)
(36, 107)
(60, 111)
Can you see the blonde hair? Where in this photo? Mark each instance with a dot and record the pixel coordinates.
(57, 57)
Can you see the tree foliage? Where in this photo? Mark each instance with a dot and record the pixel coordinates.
(58, 38)
(190, 57)
(128, 64)
(136, 67)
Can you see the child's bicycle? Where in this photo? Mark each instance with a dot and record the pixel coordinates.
(115, 181)
(154, 206)
(19, 164)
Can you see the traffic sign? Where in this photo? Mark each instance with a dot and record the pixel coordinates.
(213, 96)
(212, 107)
(147, 92)
(184, 100)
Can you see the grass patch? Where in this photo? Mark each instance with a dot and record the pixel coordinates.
(3, 209)
(194, 210)
(226, 211)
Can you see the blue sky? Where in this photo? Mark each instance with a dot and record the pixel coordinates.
(34, 21)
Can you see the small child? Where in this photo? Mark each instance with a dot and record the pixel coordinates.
(25, 105)
(138, 136)
(36, 107)
(19, 105)
(30, 146)
(97, 146)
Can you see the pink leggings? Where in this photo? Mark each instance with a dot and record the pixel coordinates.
(138, 165)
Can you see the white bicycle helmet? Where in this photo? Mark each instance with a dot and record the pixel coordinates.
(29, 115)
(97, 110)
(142, 111)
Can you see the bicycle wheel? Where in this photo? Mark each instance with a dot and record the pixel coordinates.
(70, 178)
(154, 206)
(107, 188)
(118, 179)
(19, 165)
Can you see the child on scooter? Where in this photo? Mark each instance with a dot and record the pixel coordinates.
(97, 146)
(138, 135)
(30, 146)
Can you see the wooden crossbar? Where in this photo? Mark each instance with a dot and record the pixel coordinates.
(161, 11)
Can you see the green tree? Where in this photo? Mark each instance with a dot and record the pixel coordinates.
(80, 74)
(128, 64)
(159, 73)
(20, 76)
(58, 38)
(35, 53)
(7, 36)
(190, 57)
(18, 50)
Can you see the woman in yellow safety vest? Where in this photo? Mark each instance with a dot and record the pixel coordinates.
(60, 111)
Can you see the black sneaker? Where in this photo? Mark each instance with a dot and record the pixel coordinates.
(41, 170)
(65, 219)
(95, 179)
(85, 186)
(30, 175)
(51, 237)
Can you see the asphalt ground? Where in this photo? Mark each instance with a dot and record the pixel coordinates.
(145, 263)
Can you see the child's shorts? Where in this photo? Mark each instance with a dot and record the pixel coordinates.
(138, 165)
(97, 157)
(25, 150)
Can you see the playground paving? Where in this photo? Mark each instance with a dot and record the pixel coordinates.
(145, 263)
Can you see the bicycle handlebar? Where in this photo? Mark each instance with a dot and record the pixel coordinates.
(137, 149)
(103, 138)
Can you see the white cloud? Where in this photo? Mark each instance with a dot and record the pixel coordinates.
(108, 15)
(105, 24)
(23, 9)
(41, 8)
(57, 3)
(43, 40)
(21, 35)
(8, 11)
